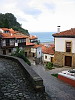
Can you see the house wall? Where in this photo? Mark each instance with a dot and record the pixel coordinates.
(28, 50)
(48, 57)
(59, 58)
(27, 40)
(33, 50)
(60, 44)
(39, 52)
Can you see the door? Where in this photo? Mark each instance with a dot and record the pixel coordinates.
(33, 54)
(68, 61)
(26, 54)
(51, 59)
(4, 52)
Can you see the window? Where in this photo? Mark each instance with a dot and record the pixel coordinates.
(68, 46)
(9, 50)
(45, 57)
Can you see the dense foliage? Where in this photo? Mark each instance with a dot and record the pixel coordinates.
(8, 20)
(20, 53)
(49, 65)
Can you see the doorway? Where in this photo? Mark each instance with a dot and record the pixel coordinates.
(68, 61)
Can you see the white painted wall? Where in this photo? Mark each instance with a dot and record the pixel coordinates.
(61, 46)
(33, 50)
(48, 57)
(39, 52)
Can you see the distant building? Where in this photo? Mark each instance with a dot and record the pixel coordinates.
(9, 40)
(47, 53)
(36, 53)
(65, 48)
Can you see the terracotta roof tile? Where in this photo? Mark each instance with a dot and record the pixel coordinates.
(8, 35)
(30, 44)
(32, 37)
(10, 30)
(67, 33)
(48, 50)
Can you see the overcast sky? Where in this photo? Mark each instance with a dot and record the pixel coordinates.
(41, 15)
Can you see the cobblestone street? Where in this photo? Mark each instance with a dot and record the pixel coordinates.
(57, 89)
(14, 85)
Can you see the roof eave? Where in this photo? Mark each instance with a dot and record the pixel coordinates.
(67, 36)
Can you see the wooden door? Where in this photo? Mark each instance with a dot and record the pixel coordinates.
(68, 61)
(4, 52)
(51, 59)
(26, 54)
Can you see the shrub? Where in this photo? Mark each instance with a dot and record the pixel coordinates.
(49, 65)
(55, 75)
(20, 53)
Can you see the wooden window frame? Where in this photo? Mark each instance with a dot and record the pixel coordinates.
(69, 48)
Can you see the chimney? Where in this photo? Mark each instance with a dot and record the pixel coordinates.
(58, 29)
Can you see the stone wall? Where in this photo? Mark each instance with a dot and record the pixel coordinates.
(35, 80)
(28, 50)
(59, 58)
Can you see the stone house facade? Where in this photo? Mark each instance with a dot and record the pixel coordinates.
(65, 48)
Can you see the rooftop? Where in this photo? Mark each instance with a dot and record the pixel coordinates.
(48, 50)
(9, 35)
(32, 37)
(67, 33)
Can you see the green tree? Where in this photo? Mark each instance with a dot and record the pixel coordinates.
(8, 20)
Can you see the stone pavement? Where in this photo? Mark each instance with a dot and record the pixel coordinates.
(57, 89)
(14, 85)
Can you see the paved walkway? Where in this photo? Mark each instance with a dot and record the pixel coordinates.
(57, 89)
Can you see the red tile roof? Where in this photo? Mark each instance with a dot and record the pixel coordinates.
(10, 30)
(8, 35)
(32, 37)
(48, 50)
(67, 33)
(30, 44)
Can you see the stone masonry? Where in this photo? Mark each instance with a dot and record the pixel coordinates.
(59, 58)
(14, 84)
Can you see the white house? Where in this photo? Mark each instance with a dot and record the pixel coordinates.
(65, 48)
(47, 53)
(36, 53)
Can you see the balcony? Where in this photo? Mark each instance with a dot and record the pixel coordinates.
(7, 45)
(11, 45)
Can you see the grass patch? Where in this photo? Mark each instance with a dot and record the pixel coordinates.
(55, 75)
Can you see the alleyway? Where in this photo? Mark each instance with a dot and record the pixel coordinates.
(57, 89)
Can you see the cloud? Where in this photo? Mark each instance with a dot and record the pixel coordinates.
(41, 15)
(33, 11)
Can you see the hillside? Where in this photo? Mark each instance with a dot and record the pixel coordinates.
(8, 20)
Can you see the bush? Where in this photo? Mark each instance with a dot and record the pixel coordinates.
(49, 65)
(20, 53)
(55, 75)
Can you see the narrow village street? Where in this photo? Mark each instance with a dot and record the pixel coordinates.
(57, 89)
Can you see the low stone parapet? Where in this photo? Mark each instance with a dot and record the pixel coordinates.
(35, 80)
